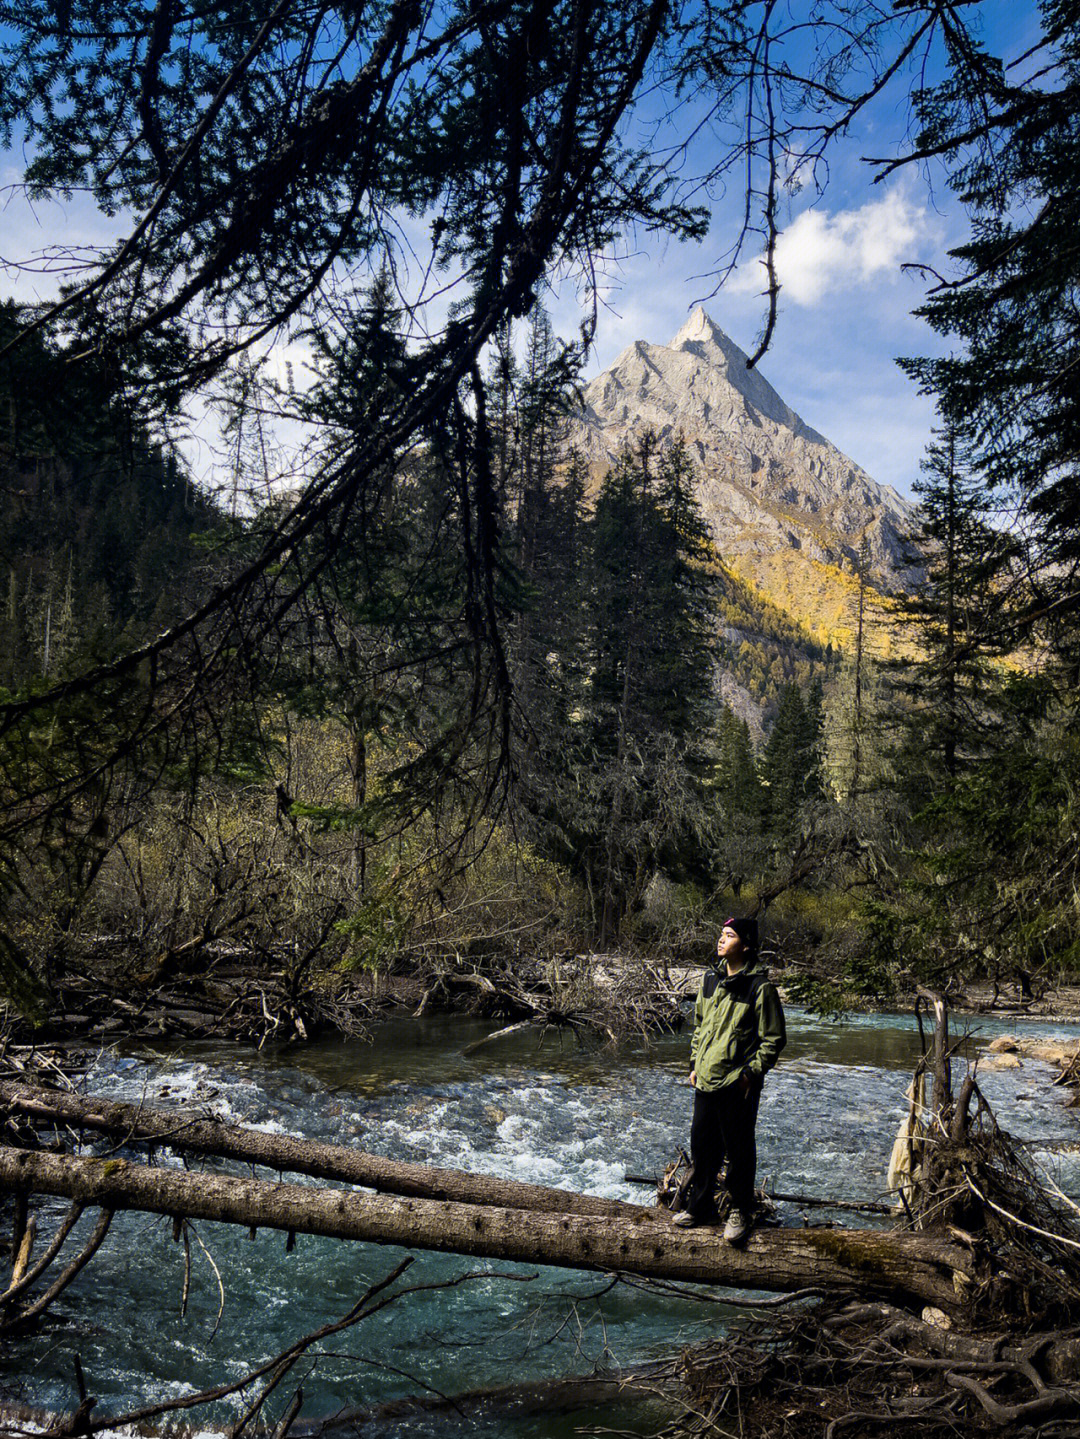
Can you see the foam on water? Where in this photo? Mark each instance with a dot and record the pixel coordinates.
(578, 1121)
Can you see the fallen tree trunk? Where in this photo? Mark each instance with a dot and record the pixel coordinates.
(287, 1154)
(912, 1266)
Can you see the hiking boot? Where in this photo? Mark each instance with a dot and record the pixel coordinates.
(685, 1220)
(737, 1227)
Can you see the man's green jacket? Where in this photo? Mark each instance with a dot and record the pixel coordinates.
(738, 1026)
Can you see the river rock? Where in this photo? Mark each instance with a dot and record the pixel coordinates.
(1004, 1044)
(1000, 1061)
(1051, 1051)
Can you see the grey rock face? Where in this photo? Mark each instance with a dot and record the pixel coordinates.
(768, 483)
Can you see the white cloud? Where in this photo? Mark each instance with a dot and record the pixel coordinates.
(821, 254)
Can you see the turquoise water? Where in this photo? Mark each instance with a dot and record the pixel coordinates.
(552, 1114)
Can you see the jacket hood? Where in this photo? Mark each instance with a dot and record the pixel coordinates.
(753, 966)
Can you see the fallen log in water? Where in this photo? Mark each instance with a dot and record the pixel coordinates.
(287, 1154)
(913, 1266)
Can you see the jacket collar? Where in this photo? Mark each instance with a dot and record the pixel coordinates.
(734, 981)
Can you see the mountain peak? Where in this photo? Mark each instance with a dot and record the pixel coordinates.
(702, 339)
(698, 328)
(769, 484)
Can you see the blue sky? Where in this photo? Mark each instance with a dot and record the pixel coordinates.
(845, 303)
(845, 313)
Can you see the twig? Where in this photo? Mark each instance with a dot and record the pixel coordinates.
(217, 1275)
(286, 1421)
(499, 1034)
(187, 1271)
(48, 1255)
(1015, 1219)
(40, 1305)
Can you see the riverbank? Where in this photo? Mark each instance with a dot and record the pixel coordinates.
(253, 999)
(229, 993)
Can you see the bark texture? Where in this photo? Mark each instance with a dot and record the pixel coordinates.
(907, 1265)
(287, 1154)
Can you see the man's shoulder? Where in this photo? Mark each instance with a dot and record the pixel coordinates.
(761, 983)
(767, 991)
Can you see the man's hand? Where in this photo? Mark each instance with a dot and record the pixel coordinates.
(693, 1078)
(743, 1083)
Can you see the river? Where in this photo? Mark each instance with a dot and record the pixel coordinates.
(555, 1115)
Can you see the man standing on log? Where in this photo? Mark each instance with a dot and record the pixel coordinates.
(738, 1035)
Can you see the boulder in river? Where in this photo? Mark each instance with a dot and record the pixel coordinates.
(1000, 1061)
(1052, 1051)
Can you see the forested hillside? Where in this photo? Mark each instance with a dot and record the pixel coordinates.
(673, 743)
(449, 692)
(103, 538)
(624, 765)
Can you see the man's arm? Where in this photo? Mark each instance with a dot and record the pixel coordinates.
(772, 1033)
(699, 1010)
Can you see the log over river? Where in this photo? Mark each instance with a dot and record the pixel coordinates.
(509, 1112)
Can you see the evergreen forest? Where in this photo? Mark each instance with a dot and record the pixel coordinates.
(431, 690)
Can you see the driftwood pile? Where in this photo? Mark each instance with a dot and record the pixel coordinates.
(224, 998)
(263, 998)
(576, 994)
(860, 1369)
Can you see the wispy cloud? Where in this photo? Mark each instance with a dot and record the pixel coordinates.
(822, 253)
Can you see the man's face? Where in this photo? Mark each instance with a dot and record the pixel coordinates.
(730, 947)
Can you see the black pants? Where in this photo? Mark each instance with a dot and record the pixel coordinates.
(723, 1128)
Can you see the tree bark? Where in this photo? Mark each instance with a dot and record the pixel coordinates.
(285, 1153)
(906, 1265)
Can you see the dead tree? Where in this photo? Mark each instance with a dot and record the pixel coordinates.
(208, 1136)
(917, 1267)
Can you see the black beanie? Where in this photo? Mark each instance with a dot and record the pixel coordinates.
(747, 930)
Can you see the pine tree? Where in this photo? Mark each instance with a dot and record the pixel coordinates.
(538, 505)
(791, 760)
(955, 614)
(649, 702)
(856, 707)
(741, 801)
(387, 647)
(1009, 377)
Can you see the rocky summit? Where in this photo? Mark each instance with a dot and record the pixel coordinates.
(789, 512)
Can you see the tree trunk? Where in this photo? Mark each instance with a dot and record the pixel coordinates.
(285, 1153)
(906, 1265)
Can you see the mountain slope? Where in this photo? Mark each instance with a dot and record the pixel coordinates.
(788, 511)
